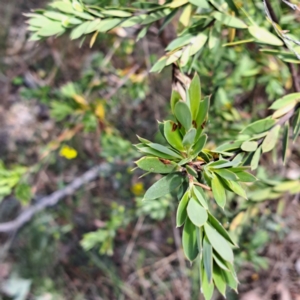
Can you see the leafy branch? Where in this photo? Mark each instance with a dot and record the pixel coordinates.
(189, 167)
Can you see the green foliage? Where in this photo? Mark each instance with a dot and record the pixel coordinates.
(206, 147)
(10, 179)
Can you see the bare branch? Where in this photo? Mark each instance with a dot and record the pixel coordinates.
(54, 198)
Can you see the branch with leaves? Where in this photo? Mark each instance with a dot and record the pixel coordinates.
(191, 170)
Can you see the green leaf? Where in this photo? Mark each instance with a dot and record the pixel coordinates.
(259, 126)
(142, 33)
(56, 16)
(164, 149)
(244, 176)
(219, 280)
(189, 240)
(236, 188)
(199, 145)
(262, 35)
(172, 135)
(198, 43)
(197, 214)
(164, 186)
(78, 31)
(189, 137)
(116, 13)
(226, 174)
(148, 150)
(229, 146)
(202, 115)
(179, 42)
(255, 159)
(23, 193)
(219, 261)
(133, 21)
(296, 125)
(159, 65)
(51, 29)
(249, 146)
(92, 26)
(286, 100)
(191, 171)
(184, 59)
(218, 191)
(206, 288)
(156, 165)
(229, 20)
(63, 6)
(108, 24)
(270, 140)
(208, 259)
(220, 245)
(175, 97)
(230, 279)
(181, 210)
(220, 164)
(195, 96)
(151, 18)
(183, 115)
(218, 226)
(285, 141)
(200, 196)
(143, 141)
(200, 3)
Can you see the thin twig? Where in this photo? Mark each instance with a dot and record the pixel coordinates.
(202, 185)
(54, 198)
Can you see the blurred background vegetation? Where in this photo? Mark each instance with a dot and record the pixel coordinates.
(65, 109)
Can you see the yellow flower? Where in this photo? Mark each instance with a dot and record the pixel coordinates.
(68, 152)
(100, 111)
(138, 188)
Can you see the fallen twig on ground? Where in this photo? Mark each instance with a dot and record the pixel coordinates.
(54, 198)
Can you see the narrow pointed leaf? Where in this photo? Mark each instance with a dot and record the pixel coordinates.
(249, 146)
(195, 96)
(286, 100)
(219, 280)
(219, 244)
(164, 186)
(153, 152)
(183, 115)
(181, 210)
(199, 144)
(264, 36)
(258, 126)
(175, 97)
(285, 141)
(218, 191)
(244, 176)
(189, 240)
(218, 226)
(270, 140)
(229, 20)
(226, 174)
(156, 165)
(163, 149)
(200, 196)
(172, 135)
(189, 137)
(208, 259)
(197, 214)
(255, 159)
(219, 261)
